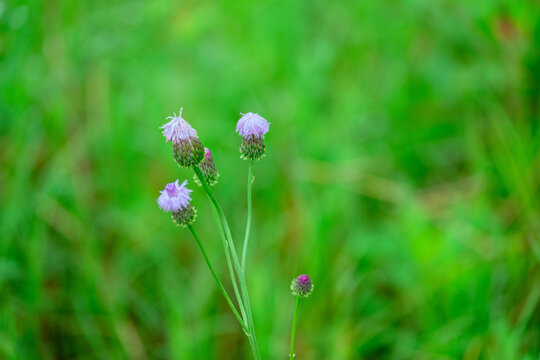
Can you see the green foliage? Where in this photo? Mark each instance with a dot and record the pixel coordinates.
(401, 173)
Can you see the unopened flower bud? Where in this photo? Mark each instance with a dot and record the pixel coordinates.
(208, 169)
(302, 286)
(252, 128)
(175, 198)
(188, 149)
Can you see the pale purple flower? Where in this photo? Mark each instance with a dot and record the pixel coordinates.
(174, 197)
(187, 148)
(252, 128)
(251, 124)
(178, 129)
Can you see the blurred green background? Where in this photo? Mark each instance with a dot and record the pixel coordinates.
(402, 174)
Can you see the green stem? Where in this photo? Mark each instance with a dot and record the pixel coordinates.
(248, 224)
(229, 265)
(222, 222)
(294, 327)
(252, 338)
(220, 285)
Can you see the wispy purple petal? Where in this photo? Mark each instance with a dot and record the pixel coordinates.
(174, 197)
(178, 129)
(252, 124)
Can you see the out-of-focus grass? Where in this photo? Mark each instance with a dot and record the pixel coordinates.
(402, 174)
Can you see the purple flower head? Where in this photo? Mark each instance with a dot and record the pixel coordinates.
(208, 169)
(302, 286)
(251, 124)
(187, 148)
(252, 128)
(178, 129)
(174, 197)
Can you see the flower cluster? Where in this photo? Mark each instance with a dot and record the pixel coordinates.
(189, 152)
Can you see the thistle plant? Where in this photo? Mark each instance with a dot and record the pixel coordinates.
(301, 287)
(189, 152)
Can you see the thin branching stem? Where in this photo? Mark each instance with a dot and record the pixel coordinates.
(225, 249)
(220, 285)
(222, 222)
(230, 266)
